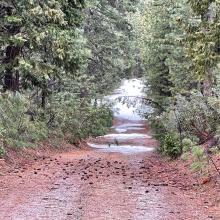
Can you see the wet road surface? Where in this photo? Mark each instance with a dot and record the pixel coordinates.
(120, 178)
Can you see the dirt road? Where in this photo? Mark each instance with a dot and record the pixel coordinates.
(120, 178)
(103, 185)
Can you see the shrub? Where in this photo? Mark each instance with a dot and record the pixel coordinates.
(195, 116)
(187, 144)
(200, 159)
(158, 128)
(16, 126)
(198, 116)
(2, 151)
(75, 118)
(171, 146)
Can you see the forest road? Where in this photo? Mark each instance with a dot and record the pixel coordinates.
(123, 182)
(119, 177)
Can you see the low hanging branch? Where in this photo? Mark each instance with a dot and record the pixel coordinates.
(147, 100)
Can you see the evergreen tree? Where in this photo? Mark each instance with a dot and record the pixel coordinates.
(40, 42)
(203, 42)
(57, 57)
(110, 40)
(179, 44)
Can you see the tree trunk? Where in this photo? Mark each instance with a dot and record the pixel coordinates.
(207, 83)
(43, 98)
(11, 80)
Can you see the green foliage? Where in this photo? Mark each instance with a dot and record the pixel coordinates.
(2, 152)
(200, 160)
(39, 42)
(179, 46)
(200, 7)
(154, 18)
(76, 119)
(197, 155)
(158, 128)
(110, 39)
(187, 144)
(197, 117)
(17, 128)
(59, 56)
(202, 41)
(171, 146)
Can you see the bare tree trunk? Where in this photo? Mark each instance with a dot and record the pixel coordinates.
(11, 79)
(43, 98)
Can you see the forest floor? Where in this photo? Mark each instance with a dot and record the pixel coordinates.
(100, 184)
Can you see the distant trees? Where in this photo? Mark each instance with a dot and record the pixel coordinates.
(110, 39)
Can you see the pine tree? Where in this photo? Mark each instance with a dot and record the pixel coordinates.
(39, 43)
(110, 38)
(203, 42)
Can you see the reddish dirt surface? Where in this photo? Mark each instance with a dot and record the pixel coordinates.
(93, 185)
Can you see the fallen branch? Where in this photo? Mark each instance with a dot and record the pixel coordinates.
(210, 158)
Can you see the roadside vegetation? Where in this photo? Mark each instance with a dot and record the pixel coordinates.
(58, 60)
(179, 45)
